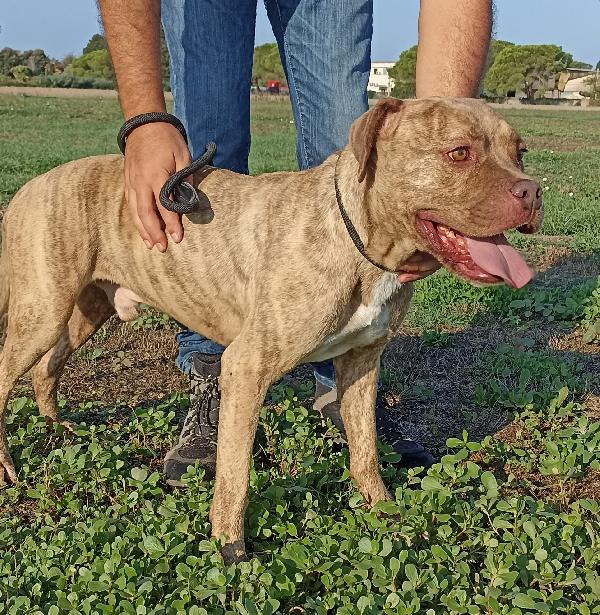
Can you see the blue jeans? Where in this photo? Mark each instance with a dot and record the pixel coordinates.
(325, 47)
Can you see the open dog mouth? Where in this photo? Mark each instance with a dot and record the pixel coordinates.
(487, 260)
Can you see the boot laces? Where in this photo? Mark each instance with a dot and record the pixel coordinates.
(202, 418)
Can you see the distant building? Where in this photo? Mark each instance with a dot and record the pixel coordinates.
(380, 81)
(574, 73)
(574, 82)
(572, 85)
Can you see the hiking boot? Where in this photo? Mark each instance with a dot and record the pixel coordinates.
(198, 439)
(413, 454)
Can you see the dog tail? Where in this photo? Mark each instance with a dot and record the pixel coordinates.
(4, 279)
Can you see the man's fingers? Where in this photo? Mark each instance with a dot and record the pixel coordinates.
(148, 214)
(132, 205)
(154, 152)
(172, 221)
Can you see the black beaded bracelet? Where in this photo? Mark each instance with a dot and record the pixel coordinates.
(147, 118)
(176, 195)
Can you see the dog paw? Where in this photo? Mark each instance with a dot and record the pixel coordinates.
(7, 471)
(234, 553)
(68, 426)
(374, 491)
(50, 422)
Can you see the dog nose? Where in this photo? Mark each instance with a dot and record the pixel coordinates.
(529, 192)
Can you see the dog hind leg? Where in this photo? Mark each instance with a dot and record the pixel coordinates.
(34, 326)
(91, 311)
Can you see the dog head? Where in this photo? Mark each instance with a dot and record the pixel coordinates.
(447, 174)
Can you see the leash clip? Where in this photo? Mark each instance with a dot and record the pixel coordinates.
(180, 196)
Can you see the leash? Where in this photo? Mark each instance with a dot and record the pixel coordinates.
(176, 195)
(356, 240)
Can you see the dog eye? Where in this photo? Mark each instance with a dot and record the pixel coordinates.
(460, 154)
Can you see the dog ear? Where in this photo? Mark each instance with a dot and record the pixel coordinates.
(366, 129)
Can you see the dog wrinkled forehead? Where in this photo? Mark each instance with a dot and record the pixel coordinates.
(428, 125)
(437, 121)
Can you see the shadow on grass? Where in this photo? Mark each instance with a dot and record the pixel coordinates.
(510, 354)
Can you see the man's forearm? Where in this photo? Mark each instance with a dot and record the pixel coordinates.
(454, 37)
(132, 29)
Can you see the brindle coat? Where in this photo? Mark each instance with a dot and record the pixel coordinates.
(267, 269)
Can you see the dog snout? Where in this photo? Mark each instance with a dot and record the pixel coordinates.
(528, 192)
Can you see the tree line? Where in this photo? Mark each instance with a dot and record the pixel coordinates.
(510, 67)
(530, 69)
(93, 68)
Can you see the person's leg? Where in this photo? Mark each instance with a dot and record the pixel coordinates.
(190, 344)
(326, 52)
(211, 48)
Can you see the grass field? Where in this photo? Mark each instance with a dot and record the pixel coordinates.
(502, 385)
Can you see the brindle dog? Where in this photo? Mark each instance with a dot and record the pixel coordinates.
(268, 268)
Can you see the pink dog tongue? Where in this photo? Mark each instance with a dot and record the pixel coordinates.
(496, 256)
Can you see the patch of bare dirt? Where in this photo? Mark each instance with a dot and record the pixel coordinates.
(573, 342)
(553, 488)
(546, 257)
(62, 92)
(135, 366)
(431, 398)
(515, 105)
(435, 387)
(557, 264)
(592, 406)
(550, 488)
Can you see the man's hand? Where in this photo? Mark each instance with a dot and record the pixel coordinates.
(152, 154)
(419, 265)
(154, 151)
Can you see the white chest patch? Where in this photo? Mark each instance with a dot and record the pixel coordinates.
(368, 323)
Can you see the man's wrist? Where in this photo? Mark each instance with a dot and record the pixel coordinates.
(130, 111)
(133, 104)
(144, 119)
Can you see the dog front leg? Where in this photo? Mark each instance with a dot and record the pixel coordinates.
(357, 374)
(245, 377)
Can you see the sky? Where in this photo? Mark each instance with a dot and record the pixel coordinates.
(60, 27)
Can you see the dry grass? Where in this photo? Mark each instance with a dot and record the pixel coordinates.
(145, 372)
